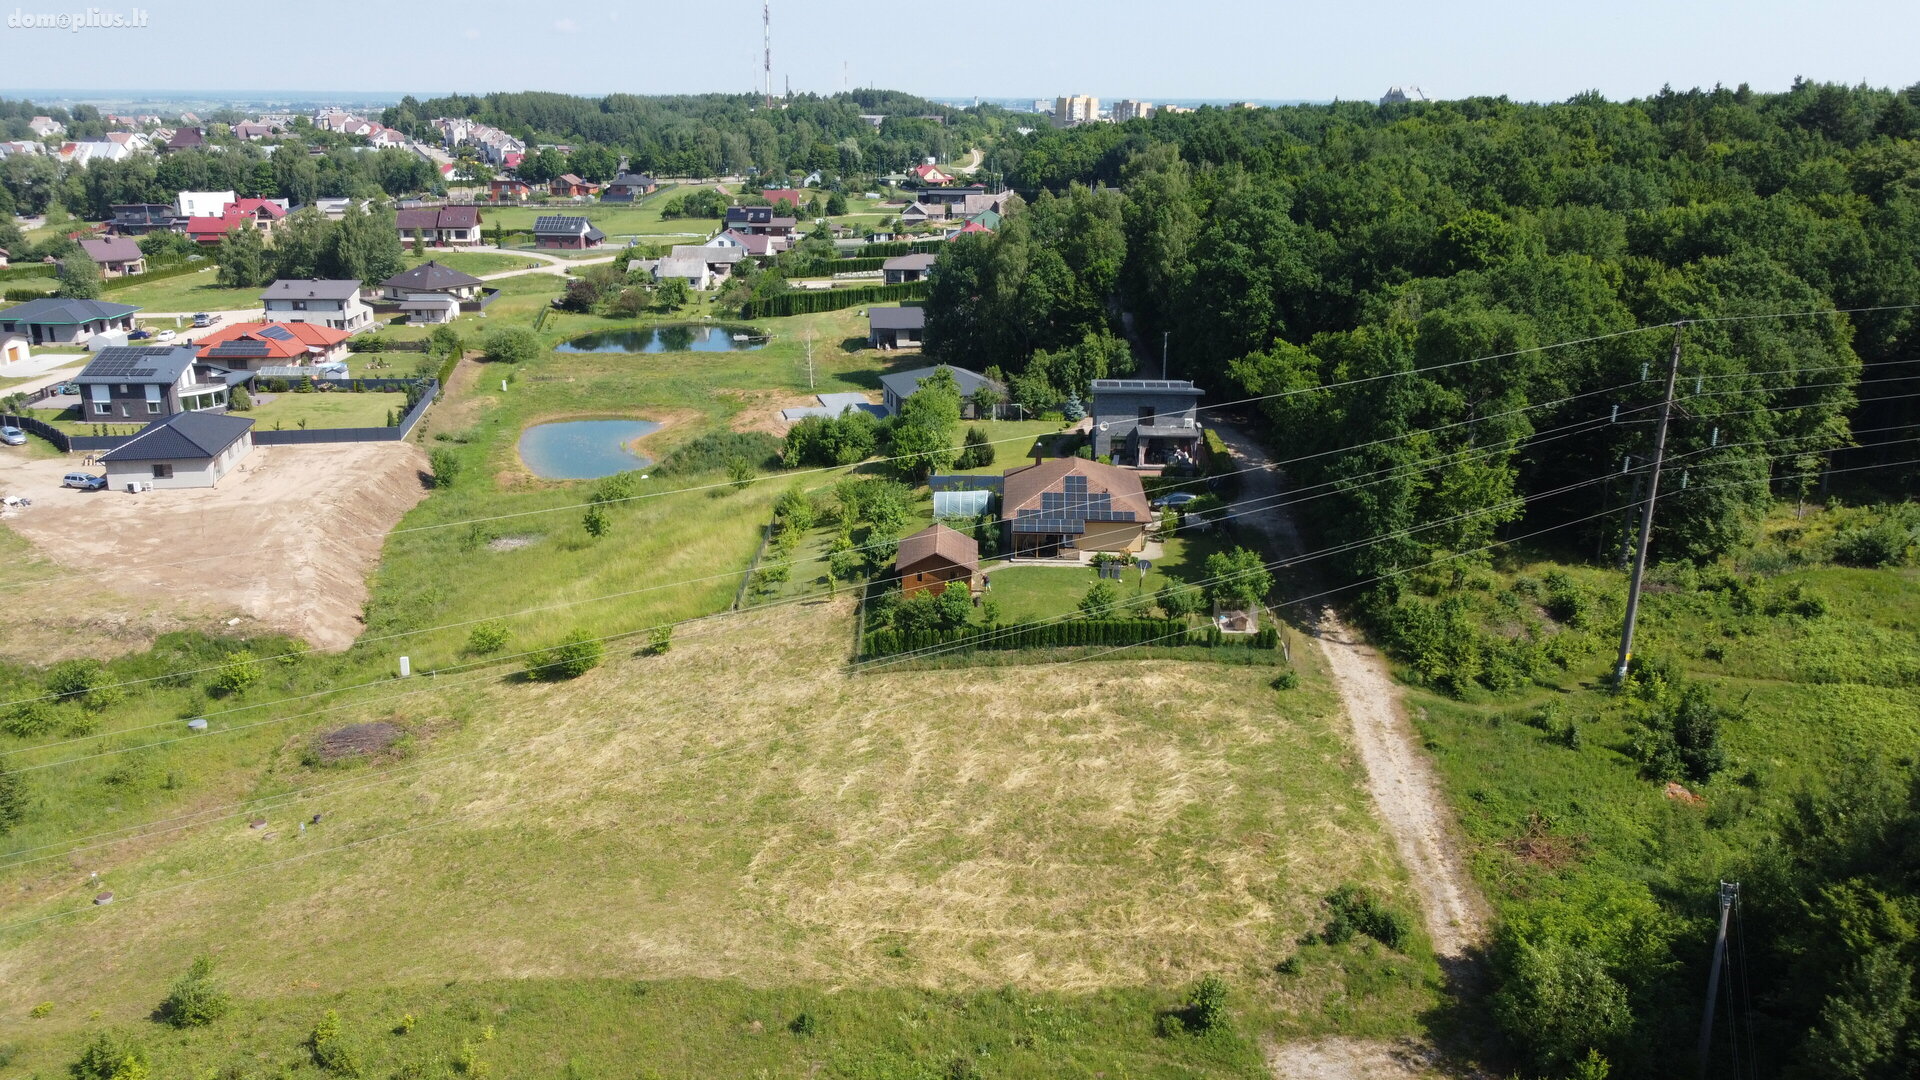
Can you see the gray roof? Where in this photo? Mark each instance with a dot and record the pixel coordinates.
(138, 364)
(902, 384)
(53, 310)
(681, 266)
(1181, 387)
(708, 253)
(922, 261)
(111, 249)
(898, 318)
(182, 437)
(430, 276)
(311, 289)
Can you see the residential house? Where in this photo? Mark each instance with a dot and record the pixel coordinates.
(201, 203)
(506, 189)
(812, 179)
(14, 350)
(267, 214)
(251, 132)
(1061, 507)
(920, 213)
(689, 268)
(930, 174)
(957, 196)
(758, 221)
(144, 382)
(44, 126)
(250, 346)
(1146, 422)
(720, 260)
(116, 256)
(789, 196)
(55, 321)
(627, 187)
(908, 268)
(139, 219)
(757, 245)
(445, 226)
(430, 310)
(563, 231)
(209, 231)
(896, 327)
(569, 186)
(187, 138)
(430, 281)
(936, 559)
(968, 229)
(897, 386)
(185, 450)
(333, 304)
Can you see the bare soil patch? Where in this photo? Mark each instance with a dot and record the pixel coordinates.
(286, 542)
(512, 543)
(1351, 1059)
(355, 740)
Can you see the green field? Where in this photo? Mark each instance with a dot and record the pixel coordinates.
(187, 293)
(473, 262)
(272, 412)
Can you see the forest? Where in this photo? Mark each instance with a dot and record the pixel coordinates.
(1455, 319)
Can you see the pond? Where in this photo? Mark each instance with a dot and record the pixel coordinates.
(674, 337)
(584, 449)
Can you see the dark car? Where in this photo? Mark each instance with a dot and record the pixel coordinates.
(138, 335)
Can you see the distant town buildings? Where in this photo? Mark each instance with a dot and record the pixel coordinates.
(1169, 110)
(1401, 95)
(1078, 109)
(1127, 109)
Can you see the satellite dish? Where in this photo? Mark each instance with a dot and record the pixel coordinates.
(1103, 427)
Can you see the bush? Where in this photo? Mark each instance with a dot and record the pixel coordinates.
(511, 345)
(710, 453)
(195, 999)
(1101, 600)
(445, 465)
(660, 640)
(1884, 543)
(596, 521)
(1204, 1011)
(29, 719)
(1360, 910)
(976, 451)
(13, 800)
(1557, 1002)
(576, 654)
(110, 1058)
(330, 1049)
(76, 678)
(487, 638)
(804, 1024)
(238, 400)
(1286, 680)
(236, 674)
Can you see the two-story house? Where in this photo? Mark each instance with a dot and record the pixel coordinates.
(334, 304)
(144, 383)
(1144, 423)
(116, 256)
(430, 281)
(758, 221)
(446, 226)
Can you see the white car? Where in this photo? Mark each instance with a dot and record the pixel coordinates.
(1176, 500)
(13, 436)
(164, 335)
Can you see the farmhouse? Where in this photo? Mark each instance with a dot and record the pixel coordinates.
(936, 559)
(446, 226)
(54, 321)
(930, 175)
(144, 382)
(331, 303)
(896, 327)
(906, 268)
(116, 256)
(569, 186)
(562, 231)
(896, 387)
(1146, 422)
(1062, 506)
(250, 346)
(186, 450)
(430, 281)
(627, 187)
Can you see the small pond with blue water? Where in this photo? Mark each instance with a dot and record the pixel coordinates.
(674, 337)
(584, 449)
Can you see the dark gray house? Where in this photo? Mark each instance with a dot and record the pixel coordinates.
(907, 268)
(896, 327)
(1144, 423)
(144, 383)
(192, 449)
(898, 386)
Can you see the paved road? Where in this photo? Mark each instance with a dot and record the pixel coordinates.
(1399, 776)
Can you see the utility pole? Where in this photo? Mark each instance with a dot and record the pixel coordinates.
(766, 45)
(1729, 895)
(1163, 354)
(809, 346)
(1646, 513)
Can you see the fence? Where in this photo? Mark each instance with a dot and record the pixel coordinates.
(60, 439)
(806, 303)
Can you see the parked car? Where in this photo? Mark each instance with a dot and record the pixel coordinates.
(1175, 500)
(166, 335)
(84, 481)
(201, 318)
(13, 436)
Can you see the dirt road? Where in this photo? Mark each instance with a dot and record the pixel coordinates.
(286, 543)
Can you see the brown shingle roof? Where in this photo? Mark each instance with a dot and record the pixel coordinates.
(938, 541)
(1025, 486)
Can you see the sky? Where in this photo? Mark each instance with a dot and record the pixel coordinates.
(1143, 49)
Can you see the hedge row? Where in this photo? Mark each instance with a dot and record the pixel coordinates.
(1113, 632)
(894, 247)
(24, 270)
(27, 294)
(162, 274)
(855, 266)
(808, 302)
(375, 343)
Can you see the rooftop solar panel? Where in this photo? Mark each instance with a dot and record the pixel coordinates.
(277, 333)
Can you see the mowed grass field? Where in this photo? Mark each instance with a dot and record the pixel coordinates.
(857, 846)
(329, 410)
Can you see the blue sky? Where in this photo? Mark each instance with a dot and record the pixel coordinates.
(1156, 50)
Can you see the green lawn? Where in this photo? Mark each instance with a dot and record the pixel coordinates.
(1014, 441)
(1027, 593)
(273, 412)
(472, 262)
(188, 293)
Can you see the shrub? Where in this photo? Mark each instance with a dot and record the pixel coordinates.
(445, 466)
(1204, 1011)
(76, 678)
(511, 345)
(740, 471)
(596, 521)
(710, 452)
(109, 1058)
(238, 400)
(1360, 910)
(1238, 579)
(1884, 543)
(29, 719)
(660, 640)
(13, 800)
(236, 674)
(795, 510)
(195, 999)
(488, 637)
(1286, 680)
(576, 654)
(1101, 600)
(330, 1048)
(1557, 1002)
(977, 451)
(804, 1024)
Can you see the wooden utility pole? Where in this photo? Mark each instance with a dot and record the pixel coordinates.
(1646, 513)
(809, 346)
(1729, 895)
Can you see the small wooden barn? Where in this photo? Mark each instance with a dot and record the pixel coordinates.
(934, 559)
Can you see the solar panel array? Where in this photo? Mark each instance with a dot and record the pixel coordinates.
(558, 223)
(240, 346)
(1068, 511)
(122, 364)
(276, 332)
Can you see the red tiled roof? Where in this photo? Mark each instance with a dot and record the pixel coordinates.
(215, 226)
(252, 208)
(790, 196)
(302, 337)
